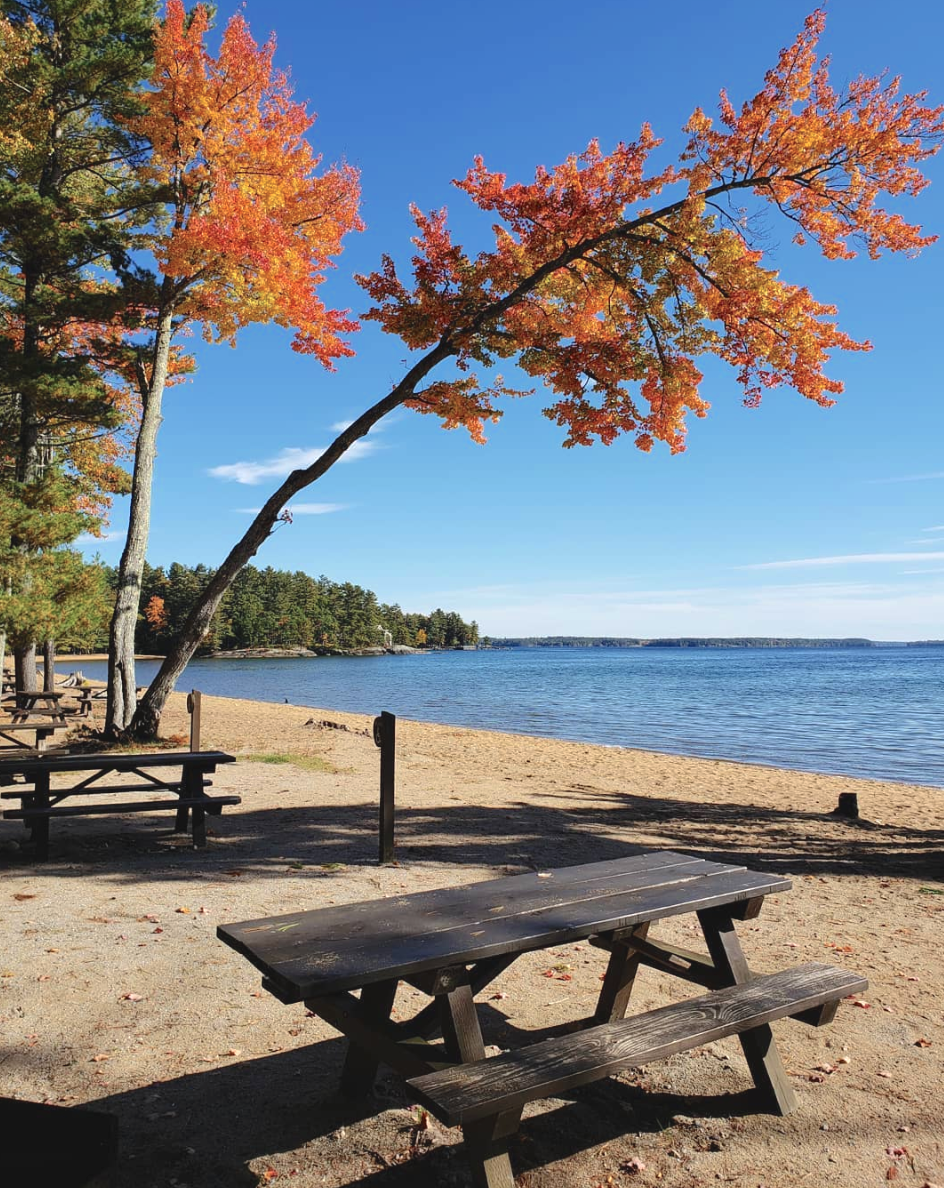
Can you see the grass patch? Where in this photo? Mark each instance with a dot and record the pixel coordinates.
(306, 762)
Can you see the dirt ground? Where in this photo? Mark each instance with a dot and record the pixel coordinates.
(115, 991)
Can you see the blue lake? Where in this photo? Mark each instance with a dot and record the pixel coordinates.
(874, 712)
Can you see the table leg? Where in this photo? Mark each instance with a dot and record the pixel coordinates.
(360, 1065)
(619, 978)
(760, 1051)
(488, 1140)
(40, 831)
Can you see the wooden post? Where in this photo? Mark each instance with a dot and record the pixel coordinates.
(385, 735)
(193, 709)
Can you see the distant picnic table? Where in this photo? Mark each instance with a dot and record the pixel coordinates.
(450, 944)
(36, 711)
(181, 773)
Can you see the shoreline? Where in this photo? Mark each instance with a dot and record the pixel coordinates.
(110, 946)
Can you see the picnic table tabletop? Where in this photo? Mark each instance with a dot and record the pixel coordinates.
(111, 761)
(313, 953)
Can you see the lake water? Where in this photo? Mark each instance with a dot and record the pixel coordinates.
(874, 712)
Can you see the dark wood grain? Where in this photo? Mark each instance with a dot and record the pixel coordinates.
(299, 961)
(131, 806)
(507, 1082)
(112, 761)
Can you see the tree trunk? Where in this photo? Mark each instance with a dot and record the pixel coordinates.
(122, 699)
(147, 718)
(49, 666)
(24, 664)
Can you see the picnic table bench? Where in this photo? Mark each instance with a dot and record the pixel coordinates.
(452, 943)
(39, 801)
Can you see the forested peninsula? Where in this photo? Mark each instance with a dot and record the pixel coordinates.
(276, 609)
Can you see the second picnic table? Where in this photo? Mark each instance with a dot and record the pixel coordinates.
(450, 944)
(40, 801)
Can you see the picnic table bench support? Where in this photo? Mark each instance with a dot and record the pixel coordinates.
(486, 1098)
(758, 1045)
(620, 975)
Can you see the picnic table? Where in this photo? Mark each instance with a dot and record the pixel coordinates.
(181, 773)
(30, 703)
(25, 715)
(450, 944)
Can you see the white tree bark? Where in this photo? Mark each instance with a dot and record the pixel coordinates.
(122, 699)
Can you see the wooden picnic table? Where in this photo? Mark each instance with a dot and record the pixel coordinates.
(182, 773)
(32, 703)
(450, 944)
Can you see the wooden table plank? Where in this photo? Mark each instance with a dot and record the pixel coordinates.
(305, 966)
(460, 905)
(117, 761)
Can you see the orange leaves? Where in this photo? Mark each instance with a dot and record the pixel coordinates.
(609, 299)
(252, 224)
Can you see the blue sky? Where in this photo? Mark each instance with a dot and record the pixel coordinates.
(786, 520)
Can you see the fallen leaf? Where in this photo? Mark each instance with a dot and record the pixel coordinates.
(816, 1078)
(233, 1052)
(860, 1002)
(922, 1043)
(498, 996)
(20, 896)
(44, 978)
(204, 911)
(269, 1174)
(99, 1058)
(896, 1152)
(183, 911)
(892, 1173)
(131, 997)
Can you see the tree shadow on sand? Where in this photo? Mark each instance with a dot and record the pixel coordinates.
(559, 828)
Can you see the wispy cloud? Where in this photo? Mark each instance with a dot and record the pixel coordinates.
(847, 559)
(87, 539)
(283, 463)
(910, 478)
(891, 609)
(301, 509)
(934, 528)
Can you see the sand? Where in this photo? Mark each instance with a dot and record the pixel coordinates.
(114, 990)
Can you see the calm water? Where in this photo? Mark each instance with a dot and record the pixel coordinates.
(875, 712)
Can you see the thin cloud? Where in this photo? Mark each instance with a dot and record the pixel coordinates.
(301, 509)
(287, 460)
(927, 540)
(934, 528)
(88, 539)
(910, 478)
(848, 559)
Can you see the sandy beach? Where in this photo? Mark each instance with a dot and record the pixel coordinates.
(114, 990)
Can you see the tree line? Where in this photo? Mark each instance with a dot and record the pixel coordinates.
(273, 608)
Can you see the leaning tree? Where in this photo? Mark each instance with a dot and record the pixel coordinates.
(606, 282)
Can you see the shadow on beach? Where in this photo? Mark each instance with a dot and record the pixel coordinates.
(594, 826)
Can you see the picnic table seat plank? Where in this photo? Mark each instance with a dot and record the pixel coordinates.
(169, 786)
(469, 1092)
(131, 806)
(299, 963)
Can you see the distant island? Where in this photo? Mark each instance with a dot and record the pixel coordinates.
(752, 641)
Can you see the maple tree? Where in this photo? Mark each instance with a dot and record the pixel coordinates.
(249, 224)
(606, 282)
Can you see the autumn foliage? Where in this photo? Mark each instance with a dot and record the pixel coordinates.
(607, 294)
(253, 224)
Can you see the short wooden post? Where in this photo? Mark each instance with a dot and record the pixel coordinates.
(848, 805)
(193, 709)
(385, 735)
